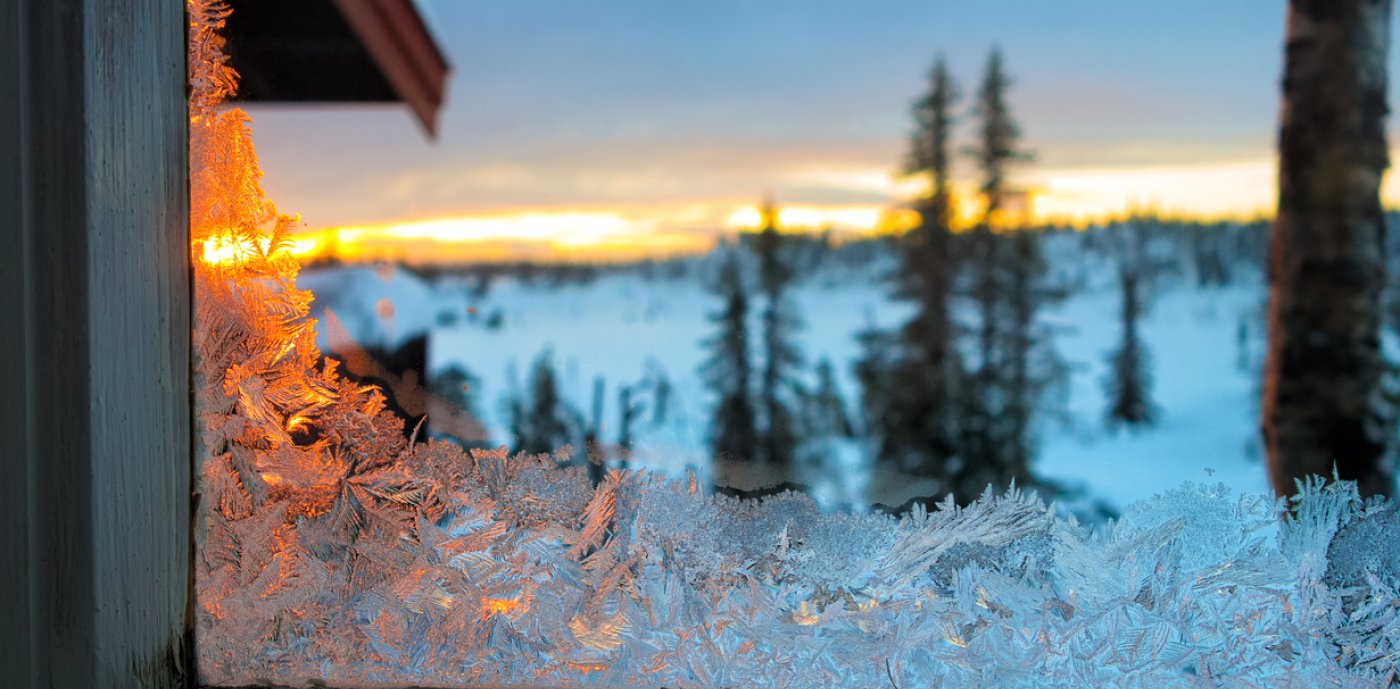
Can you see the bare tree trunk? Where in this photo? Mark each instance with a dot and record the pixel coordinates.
(1323, 402)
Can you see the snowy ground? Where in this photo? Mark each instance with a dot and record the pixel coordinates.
(620, 327)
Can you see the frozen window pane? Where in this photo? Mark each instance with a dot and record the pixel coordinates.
(334, 549)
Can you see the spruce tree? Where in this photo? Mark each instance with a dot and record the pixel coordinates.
(875, 373)
(628, 410)
(661, 392)
(456, 386)
(998, 140)
(778, 383)
(727, 370)
(1032, 357)
(910, 405)
(593, 450)
(541, 422)
(1003, 387)
(826, 407)
(1129, 379)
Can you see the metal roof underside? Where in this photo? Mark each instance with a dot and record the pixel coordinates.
(337, 51)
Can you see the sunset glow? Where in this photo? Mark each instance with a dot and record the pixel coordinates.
(572, 235)
(1232, 190)
(851, 219)
(668, 139)
(1215, 191)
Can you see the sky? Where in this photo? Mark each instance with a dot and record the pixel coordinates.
(625, 127)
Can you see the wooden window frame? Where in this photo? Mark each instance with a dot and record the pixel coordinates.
(95, 420)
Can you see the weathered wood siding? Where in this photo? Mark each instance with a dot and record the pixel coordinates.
(94, 338)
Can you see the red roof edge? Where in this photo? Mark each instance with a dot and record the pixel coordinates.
(398, 39)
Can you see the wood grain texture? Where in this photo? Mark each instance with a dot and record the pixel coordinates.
(99, 409)
(15, 539)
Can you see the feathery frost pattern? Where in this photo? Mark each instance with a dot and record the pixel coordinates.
(333, 551)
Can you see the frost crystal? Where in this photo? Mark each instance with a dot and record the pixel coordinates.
(334, 551)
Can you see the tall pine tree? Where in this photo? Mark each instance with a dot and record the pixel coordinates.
(1003, 386)
(727, 370)
(779, 386)
(1129, 379)
(912, 415)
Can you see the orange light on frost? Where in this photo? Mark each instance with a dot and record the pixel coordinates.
(221, 250)
(228, 249)
(498, 606)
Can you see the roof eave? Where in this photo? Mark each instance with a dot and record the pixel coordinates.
(396, 35)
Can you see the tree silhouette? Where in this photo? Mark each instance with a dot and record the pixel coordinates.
(1002, 388)
(1129, 380)
(778, 382)
(541, 422)
(915, 419)
(727, 369)
(826, 407)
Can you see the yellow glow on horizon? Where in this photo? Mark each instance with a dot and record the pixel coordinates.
(1212, 191)
(567, 228)
(1232, 190)
(305, 245)
(576, 235)
(847, 218)
(1237, 190)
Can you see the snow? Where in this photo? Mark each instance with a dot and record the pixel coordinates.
(1209, 422)
(377, 306)
(431, 566)
(622, 325)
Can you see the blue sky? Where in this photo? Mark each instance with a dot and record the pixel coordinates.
(647, 108)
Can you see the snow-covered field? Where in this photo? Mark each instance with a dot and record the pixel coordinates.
(623, 327)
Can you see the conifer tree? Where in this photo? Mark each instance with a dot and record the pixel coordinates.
(929, 365)
(541, 423)
(661, 392)
(628, 410)
(1003, 388)
(1129, 380)
(1032, 358)
(998, 140)
(727, 370)
(826, 408)
(909, 378)
(778, 383)
(875, 373)
(593, 449)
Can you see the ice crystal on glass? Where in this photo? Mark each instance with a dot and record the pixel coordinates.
(333, 550)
